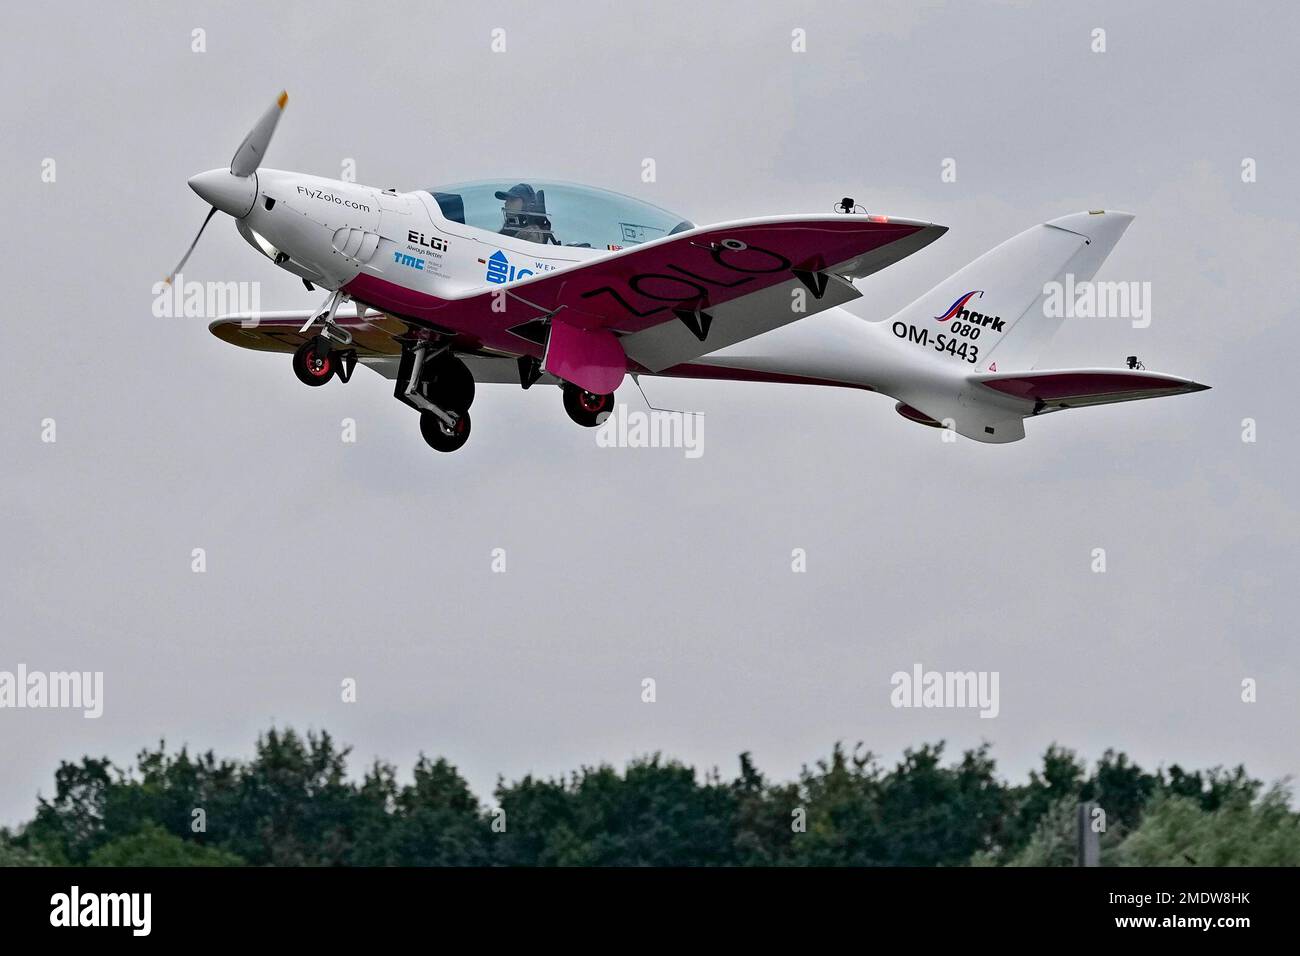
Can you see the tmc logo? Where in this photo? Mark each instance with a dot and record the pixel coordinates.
(414, 262)
(500, 270)
(958, 308)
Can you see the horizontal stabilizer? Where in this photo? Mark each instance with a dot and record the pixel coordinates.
(1051, 390)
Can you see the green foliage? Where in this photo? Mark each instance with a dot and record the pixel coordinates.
(655, 814)
(293, 804)
(154, 846)
(12, 853)
(436, 821)
(1179, 830)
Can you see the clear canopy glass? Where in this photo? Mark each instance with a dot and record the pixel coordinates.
(556, 213)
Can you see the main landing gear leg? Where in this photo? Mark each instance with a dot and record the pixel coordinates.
(445, 428)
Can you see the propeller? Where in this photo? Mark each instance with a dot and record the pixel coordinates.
(186, 258)
(234, 192)
(253, 149)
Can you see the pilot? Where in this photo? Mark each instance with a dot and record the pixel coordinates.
(523, 212)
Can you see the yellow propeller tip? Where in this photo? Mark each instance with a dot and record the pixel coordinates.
(284, 98)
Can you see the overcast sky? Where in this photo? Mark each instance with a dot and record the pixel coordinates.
(372, 560)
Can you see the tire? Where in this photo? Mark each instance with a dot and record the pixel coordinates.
(588, 409)
(310, 368)
(448, 383)
(439, 437)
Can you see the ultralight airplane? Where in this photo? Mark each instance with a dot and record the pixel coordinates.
(530, 282)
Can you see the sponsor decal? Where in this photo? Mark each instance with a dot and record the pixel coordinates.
(958, 305)
(433, 243)
(959, 310)
(411, 262)
(333, 199)
(500, 269)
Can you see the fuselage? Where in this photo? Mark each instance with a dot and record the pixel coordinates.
(399, 253)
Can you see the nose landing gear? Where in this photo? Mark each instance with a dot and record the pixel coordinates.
(312, 362)
(315, 363)
(588, 409)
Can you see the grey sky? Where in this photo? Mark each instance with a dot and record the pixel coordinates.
(372, 561)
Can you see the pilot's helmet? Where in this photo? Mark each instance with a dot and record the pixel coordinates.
(531, 209)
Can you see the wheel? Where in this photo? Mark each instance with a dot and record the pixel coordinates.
(588, 409)
(448, 382)
(442, 437)
(313, 365)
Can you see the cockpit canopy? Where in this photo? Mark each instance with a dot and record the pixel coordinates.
(555, 213)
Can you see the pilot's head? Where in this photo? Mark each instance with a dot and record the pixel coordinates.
(519, 207)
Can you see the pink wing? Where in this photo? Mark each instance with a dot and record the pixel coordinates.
(663, 303)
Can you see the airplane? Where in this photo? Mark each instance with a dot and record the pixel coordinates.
(527, 282)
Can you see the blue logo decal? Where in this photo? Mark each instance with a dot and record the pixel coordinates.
(499, 269)
(414, 262)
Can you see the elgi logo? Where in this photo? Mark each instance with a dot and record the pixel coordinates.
(416, 238)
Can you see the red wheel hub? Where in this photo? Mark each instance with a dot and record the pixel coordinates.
(592, 403)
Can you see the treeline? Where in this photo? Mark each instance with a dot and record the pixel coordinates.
(294, 804)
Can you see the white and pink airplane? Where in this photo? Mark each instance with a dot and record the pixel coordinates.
(524, 282)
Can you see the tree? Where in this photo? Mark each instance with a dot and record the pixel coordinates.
(436, 821)
(654, 814)
(1179, 831)
(292, 803)
(154, 846)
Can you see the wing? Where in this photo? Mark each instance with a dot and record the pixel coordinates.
(666, 302)
(374, 335)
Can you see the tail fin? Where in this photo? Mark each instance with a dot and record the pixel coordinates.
(989, 319)
(989, 315)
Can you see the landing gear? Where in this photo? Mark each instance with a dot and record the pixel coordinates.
(440, 387)
(442, 436)
(447, 381)
(314, 363)
(588, 409)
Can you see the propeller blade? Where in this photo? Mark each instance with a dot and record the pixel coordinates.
(253, 149)
(186, 258)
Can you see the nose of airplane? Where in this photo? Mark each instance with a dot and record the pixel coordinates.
(233, 195)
